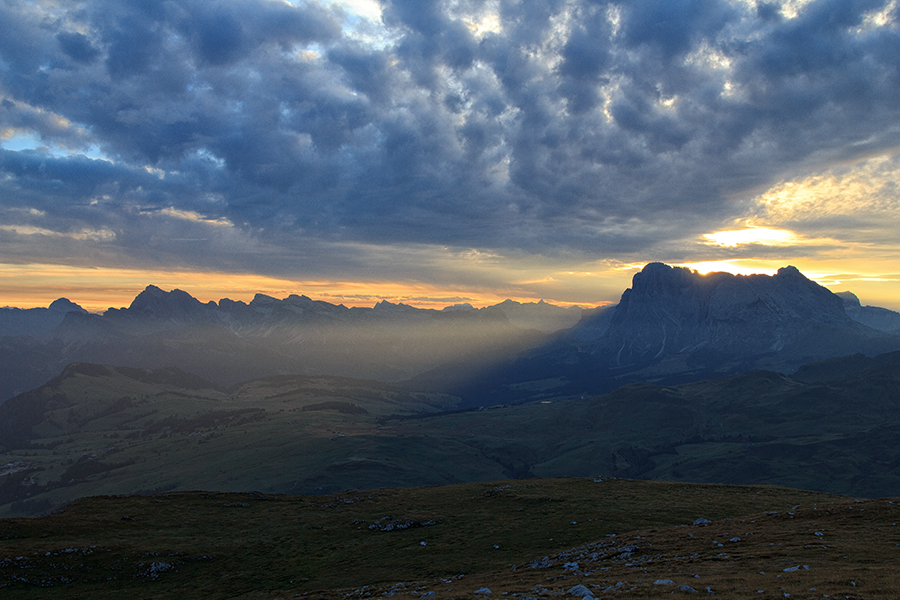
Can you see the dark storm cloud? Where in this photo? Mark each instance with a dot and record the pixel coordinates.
(586, 127)
(673, 27)
(77, 46)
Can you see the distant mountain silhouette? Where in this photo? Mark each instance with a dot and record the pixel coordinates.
(875, 317)
(34, 321)
(232, 341)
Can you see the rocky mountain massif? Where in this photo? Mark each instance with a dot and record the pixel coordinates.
(674, 325)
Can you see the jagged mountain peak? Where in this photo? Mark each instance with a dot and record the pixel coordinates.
(299, 300)
(385, 305)
(516, 304)
(152, 295)
(151, 291)
(462, 306)
(657, 279)
(156, 302)
(260, 300)
(508, 302)
(790, 271)
(65, 305)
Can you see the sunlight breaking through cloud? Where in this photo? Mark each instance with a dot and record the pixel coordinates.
(753, 235)
(189, 215)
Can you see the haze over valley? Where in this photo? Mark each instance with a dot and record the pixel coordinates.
(297, 396)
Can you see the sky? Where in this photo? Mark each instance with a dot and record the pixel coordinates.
(442, 152)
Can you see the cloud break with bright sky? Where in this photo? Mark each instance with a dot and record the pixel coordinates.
(441, 152)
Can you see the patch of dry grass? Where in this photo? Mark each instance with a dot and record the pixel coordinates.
(361, 544)
(846, 549)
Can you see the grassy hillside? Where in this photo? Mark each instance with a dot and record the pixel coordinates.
(757, 427)
(452, 540)
(104, 430)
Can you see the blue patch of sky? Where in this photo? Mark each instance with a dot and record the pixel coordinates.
(22, 141)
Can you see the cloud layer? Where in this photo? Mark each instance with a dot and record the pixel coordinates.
(286, 137)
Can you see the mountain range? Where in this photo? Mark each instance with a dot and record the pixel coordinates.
(673, 325)
(714, 378)
(232, 341)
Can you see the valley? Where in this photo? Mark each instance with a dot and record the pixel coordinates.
(112, 430)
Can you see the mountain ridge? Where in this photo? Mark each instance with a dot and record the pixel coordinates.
(672, 325)
(875, 317)
(230, 341)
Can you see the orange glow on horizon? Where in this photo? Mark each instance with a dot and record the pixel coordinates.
(97, 289)
(735, 267)
(875, 282)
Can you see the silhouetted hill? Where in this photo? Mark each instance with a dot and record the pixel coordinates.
(20, 415)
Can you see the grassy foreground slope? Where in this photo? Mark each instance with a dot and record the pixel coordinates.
(520, 538)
